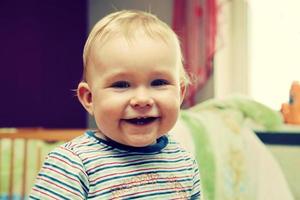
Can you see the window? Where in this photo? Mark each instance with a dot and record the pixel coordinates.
(274, 50)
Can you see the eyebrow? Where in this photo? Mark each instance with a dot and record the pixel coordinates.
(121, 74)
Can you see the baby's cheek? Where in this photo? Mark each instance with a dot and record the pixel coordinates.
(170, 114)
(111, 109)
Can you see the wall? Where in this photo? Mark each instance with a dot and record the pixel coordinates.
(98, 9)
(231, 59)
(41, 62)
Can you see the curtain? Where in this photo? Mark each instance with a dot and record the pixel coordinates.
(195, 22)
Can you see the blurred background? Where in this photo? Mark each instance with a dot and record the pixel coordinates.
(230, 47)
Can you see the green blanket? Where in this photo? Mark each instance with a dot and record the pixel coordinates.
(225, 146)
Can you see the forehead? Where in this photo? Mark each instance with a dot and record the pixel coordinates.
(142, 52)
(132, 50)
(134, 37)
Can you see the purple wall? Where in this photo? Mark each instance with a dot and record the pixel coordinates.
(41, 46)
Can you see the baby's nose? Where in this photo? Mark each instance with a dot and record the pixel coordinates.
(141, 99)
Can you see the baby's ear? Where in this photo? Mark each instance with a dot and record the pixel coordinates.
(85, 96)
(183, 87)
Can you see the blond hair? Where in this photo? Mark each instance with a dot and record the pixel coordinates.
(127, 22)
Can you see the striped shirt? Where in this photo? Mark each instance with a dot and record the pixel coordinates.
(92, 168)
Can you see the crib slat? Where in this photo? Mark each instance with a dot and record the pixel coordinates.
(24, 177)
(39, 158)
(0, 167)
(11, 171)
(27, 134)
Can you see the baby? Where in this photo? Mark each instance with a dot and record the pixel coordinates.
(133, 84)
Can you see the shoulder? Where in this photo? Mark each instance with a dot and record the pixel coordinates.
(186, 157)
(75, 149)
(63, 173)
(173, 143)
(174, 147)
(74, 145)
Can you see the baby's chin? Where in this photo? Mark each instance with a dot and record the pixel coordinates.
(132, 140)
(139, 141)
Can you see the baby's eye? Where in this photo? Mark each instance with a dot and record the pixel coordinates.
(120, 84)
(159, 82)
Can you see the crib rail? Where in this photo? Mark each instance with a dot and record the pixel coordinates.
(26, 135)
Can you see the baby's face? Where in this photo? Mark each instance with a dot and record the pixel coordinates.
(135, 87)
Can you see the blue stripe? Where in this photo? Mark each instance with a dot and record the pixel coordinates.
(152, 194)
(195, 196)
(61, 169)
(119, 155)
(50, 191)
(62, 183)
(149, 195)
(32, 197)
(96, 170)
(160, 182)
(136, 174)
(125, 155)
(65, 158)
(85, 188)
(128, 154)
(196, 182)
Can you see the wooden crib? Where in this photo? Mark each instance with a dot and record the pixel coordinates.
(18, 142)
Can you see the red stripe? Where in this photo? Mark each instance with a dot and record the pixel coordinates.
(147, 191)
(65, 175)
(58, 186)
(131, 161)
(39, 191)
(143, 169)
(118, 185)
(73, 166)
(100, 154)
(107, 154)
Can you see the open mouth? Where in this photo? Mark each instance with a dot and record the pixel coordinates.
(141, 120)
